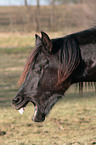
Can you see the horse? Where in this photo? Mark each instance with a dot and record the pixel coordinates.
(52, 67)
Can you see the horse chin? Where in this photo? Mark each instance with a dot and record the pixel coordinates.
(38, 115)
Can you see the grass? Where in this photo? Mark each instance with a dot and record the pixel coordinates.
(72, 120)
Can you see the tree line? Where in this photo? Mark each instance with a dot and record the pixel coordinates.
(53, 17)
(52, 4)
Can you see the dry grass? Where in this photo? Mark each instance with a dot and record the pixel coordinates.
(22, 40)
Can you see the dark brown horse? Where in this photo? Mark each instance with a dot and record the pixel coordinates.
(53, 66)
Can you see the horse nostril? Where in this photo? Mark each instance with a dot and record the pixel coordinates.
(15, 100)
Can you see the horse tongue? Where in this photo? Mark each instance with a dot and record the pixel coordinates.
(21, 111)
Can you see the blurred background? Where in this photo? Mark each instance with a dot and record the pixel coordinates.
(46, 15)
(72, 121)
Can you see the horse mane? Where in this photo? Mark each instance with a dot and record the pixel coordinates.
(29, 64)
(69, 56)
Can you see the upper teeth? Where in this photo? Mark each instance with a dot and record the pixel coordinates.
(21, 111)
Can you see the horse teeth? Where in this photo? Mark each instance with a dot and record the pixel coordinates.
(21, 111)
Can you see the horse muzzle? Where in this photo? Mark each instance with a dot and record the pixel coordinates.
(19, 102)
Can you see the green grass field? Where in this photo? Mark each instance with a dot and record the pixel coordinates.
(72, 120)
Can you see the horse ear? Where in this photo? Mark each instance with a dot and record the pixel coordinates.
(47, 42)
(37, 40)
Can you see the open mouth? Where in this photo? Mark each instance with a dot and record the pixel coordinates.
(38, 115)
(20, 104)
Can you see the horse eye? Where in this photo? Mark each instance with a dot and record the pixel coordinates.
(38, 69)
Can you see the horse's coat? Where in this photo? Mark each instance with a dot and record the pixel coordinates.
(53, 66)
